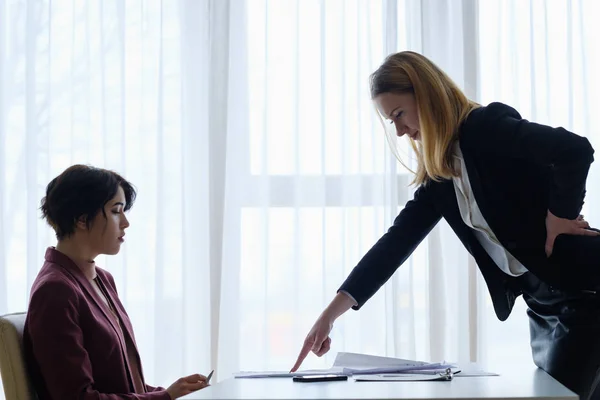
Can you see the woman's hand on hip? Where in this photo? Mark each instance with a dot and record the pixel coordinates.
(557, 226)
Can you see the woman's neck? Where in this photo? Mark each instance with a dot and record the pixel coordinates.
(81, 255)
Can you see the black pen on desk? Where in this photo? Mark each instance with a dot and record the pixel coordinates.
(209, 376)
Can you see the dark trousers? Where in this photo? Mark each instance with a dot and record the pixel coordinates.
(565, 324)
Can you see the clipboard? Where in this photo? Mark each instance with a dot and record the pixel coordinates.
(444, 376)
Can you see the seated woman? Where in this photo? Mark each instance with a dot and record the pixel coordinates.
(78, 339)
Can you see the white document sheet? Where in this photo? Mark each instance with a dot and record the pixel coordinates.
(473, 369)
(287, 374)
(356, 360)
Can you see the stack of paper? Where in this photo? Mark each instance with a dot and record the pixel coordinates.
(374, 368)
(403, 377)
(354, 364)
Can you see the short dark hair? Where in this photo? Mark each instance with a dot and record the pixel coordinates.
(81, 190)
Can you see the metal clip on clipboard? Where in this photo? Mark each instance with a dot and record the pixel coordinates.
(447, 375)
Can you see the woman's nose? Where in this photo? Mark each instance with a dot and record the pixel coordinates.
(401, 131)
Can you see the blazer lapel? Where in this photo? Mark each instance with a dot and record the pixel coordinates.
(57, 257)
(475, 182)
(119, 309)
(123, 317)
(496, 280)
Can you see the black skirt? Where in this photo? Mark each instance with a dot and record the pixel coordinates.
(565, 334)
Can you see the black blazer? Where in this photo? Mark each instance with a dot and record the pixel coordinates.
(518, 170)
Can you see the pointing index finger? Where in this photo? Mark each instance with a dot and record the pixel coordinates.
(303, 353)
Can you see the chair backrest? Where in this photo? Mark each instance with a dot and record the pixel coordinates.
(15, 377)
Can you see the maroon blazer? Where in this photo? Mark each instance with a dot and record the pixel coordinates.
(71, 344)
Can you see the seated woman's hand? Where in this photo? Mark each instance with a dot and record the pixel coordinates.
(186, 385)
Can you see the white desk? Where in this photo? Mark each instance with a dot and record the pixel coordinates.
(526, 383)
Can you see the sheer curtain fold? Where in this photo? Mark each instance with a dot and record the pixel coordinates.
(3, 95)
(263, 171)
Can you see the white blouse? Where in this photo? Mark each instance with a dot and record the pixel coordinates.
(471, 215)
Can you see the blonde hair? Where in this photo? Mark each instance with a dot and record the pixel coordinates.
(441, 107)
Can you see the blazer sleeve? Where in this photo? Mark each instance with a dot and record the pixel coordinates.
(150, 389)
(57, 344)
(410, 227)
(499, 129)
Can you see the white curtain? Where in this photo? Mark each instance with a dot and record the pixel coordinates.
(121, 85)
(542, 58)
(262, 169)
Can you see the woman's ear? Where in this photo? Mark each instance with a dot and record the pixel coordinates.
(82, 222)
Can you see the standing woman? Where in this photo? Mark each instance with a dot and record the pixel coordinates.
(78, 339)
(512, 191)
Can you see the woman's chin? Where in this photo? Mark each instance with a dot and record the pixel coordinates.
(113, 250)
